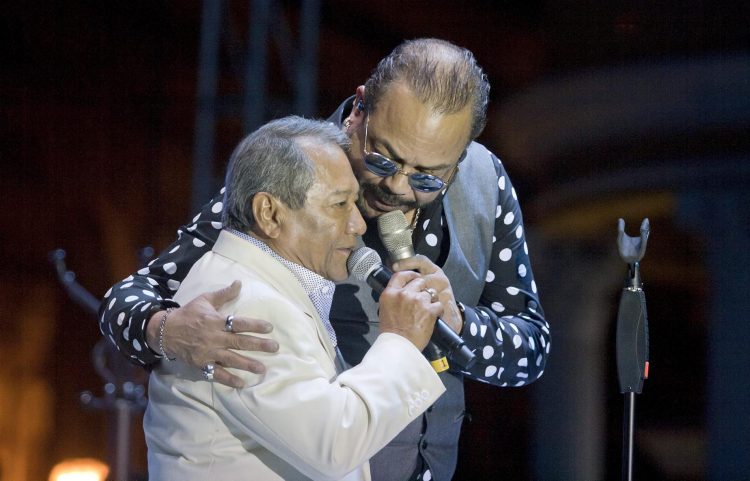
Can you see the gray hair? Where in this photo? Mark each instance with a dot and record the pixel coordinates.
(442, 75)
(271, 160)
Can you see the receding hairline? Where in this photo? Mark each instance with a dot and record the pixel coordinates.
(444, 76)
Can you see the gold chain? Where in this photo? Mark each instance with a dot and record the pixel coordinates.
(415, 220)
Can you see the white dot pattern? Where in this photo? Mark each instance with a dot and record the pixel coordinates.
(517, 343)
(509, 292)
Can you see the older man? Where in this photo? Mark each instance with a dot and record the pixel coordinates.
(412, 127)
(288, 183)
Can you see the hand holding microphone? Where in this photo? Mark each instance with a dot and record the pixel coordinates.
(396, 236)
(407, 309)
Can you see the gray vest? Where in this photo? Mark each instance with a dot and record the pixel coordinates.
(470, 207)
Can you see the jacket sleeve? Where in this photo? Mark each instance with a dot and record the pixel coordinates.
(507, 330)
(128, 304)
(326, 425)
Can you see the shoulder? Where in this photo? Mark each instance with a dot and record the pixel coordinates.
(480, 157)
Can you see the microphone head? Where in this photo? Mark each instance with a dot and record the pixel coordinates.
(396, 236)
(362, 262)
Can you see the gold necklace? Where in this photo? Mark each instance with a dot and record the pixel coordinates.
(415, 220)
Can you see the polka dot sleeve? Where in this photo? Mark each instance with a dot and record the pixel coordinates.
(507, 329)
(128, 304)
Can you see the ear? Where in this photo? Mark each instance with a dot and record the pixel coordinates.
(358, 114)
(359, 100)
(269, 214)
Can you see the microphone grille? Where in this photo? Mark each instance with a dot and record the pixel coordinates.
(362, 262)
(395, 233)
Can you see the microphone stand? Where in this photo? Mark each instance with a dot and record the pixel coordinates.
(124, 388)
(632, 336)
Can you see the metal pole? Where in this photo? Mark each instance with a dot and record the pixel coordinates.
(254, 103)
(628, 431)
(307, 68)
(122, 446)
(205, 119)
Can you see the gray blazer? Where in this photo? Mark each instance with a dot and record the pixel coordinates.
(470, 206)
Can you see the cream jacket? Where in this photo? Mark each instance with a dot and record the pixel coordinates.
(302, 419)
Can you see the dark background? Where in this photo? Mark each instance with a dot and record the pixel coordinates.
(599, 109)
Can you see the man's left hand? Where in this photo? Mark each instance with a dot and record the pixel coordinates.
(436, 279)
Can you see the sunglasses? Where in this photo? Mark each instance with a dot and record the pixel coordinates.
(382, 166)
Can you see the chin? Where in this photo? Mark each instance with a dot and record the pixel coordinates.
(339, 277)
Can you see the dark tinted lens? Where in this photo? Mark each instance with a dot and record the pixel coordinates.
(425, 182)
(379, 165)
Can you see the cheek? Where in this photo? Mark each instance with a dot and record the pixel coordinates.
(357, 162)
(364, 176)
(423, 198)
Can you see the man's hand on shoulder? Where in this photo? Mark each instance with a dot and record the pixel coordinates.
(195, 333)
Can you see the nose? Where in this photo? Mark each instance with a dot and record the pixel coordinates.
(398, 183)
(356, 224)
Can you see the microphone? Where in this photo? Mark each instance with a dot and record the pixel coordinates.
(365, 265)
(396, 236)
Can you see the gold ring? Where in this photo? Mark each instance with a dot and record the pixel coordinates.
(432, 292)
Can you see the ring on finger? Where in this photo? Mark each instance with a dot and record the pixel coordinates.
(228, 323)
(208, 372)
(432, 292)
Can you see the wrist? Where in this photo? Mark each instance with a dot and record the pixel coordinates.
(160, 338)
(462, 310)
(151, 328)
(151, 331)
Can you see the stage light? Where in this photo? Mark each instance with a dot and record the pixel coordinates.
(82, 469)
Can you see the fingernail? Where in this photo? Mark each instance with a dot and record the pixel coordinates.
(268, 328)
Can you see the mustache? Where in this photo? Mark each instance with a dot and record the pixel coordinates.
(386, 197)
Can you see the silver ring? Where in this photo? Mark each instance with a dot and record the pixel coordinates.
(208, 372)
(228, 323)
(432, 292)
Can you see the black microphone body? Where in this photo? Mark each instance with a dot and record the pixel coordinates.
(377, 277)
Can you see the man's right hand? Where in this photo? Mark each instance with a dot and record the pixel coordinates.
(194, 333)
(407, 309)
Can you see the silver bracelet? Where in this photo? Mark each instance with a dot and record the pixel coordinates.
(162, 324)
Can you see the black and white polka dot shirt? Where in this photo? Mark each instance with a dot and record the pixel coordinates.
(506, 329)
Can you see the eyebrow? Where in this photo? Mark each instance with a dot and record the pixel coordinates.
(395, 157)
(346, 192)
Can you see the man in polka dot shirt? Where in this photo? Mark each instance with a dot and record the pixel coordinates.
(412, 127)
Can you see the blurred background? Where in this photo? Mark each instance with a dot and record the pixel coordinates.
(116, 120)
